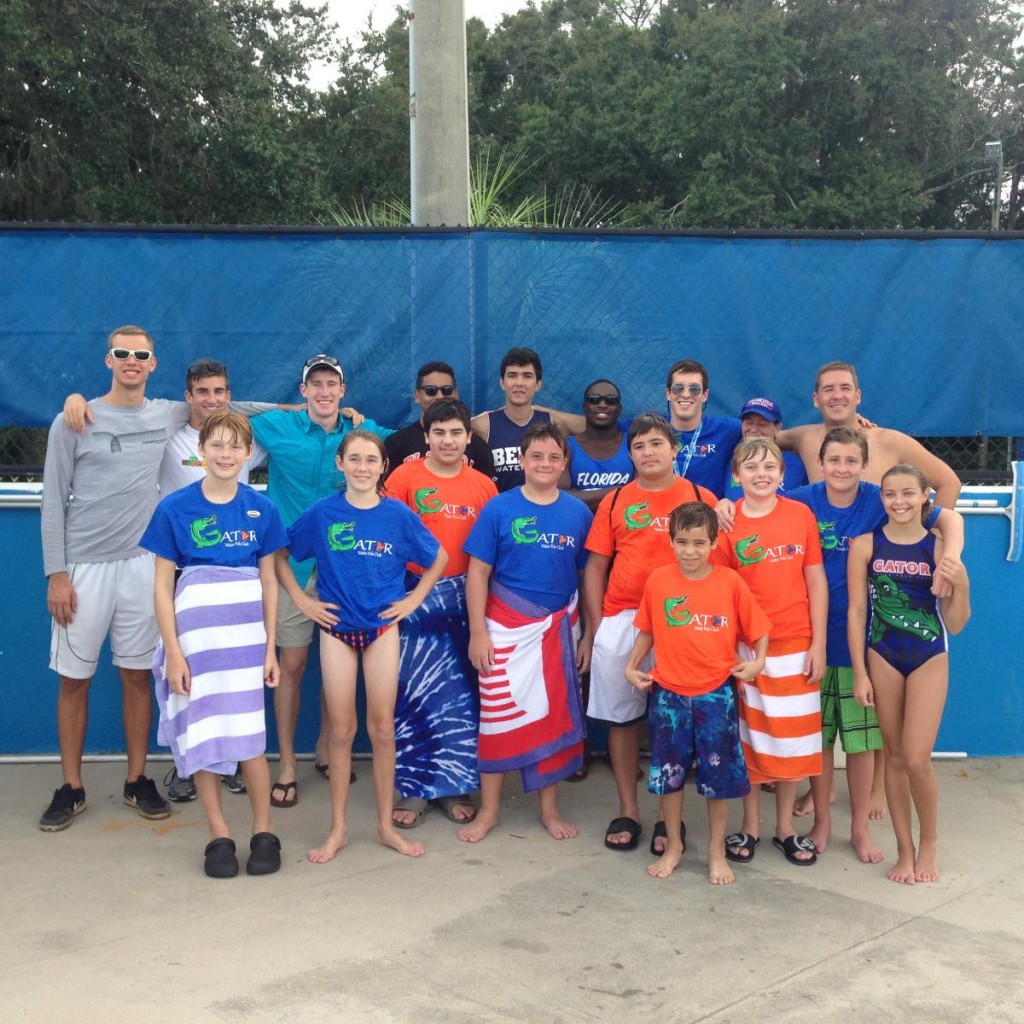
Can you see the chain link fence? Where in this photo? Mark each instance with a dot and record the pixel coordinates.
(976, 460)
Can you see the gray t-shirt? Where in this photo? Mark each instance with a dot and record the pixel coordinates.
(100, 487)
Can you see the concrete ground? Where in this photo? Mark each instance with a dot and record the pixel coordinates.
(114, 921)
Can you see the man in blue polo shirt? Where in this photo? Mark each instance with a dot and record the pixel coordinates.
(301, 470)
(706, 443)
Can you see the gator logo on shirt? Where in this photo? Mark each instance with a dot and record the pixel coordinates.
(675, 613)
(205, 533)
(524, 530)
(637, 516)
(425, 503)
(340, 536)
(750, 552)
(827, 533)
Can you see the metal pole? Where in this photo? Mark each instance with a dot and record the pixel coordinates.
(439, 114)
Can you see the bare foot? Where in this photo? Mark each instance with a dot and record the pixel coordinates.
(926, 867)
(558, 827)
(666, 863)
(877, 812)
(328, 848)
(397, 842)
(719, 872)
(403, 816)
(903, 871)
(820, 837)
(803, 806)
(476, 830)
(866, 849)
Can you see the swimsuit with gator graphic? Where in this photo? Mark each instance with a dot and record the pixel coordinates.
(906, 627)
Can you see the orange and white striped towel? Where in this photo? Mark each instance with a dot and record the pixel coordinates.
(780, 715)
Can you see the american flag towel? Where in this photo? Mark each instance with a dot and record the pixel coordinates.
(531, 708)
(219, 618)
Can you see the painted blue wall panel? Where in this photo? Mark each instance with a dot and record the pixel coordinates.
(984, 713)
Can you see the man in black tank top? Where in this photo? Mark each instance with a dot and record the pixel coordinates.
(435, 382)
(502, 429)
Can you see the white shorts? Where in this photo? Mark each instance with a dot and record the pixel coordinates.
(114, 598)
(612, 698)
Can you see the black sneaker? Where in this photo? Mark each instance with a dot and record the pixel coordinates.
(143, 795)
(180, 790)
(66, 803)
(234, 782)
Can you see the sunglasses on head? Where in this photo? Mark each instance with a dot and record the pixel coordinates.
(603, 400)
(143, 355)
(321, 360)
(686, 389)
(432, 390)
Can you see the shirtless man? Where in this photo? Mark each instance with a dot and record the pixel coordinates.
(520, 378)
(836, 396)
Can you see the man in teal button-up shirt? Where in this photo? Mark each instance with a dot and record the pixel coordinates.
(301, 470)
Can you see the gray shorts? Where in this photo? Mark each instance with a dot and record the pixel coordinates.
(115, 599)
(293, 628)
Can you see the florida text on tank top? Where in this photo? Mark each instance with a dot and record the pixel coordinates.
(503, 438)
(589, 474)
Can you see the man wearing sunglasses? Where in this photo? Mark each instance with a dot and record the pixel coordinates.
(99, 491)
(435, 382)
(706, 443)
(598, 456)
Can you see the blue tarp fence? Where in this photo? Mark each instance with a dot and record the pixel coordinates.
(932, 323)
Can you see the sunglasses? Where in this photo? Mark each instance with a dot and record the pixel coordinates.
(143, 355)
(433, 390)
(686, 389)
(321, 360)
(603, 400)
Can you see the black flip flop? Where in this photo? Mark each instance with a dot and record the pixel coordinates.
(660, 832)
(630, 825)
(745, 841)
(792, 845)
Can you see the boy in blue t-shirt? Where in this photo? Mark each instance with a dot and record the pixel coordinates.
(526, 552)
(209, 681)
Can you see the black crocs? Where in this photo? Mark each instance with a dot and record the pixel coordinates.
(264, 854)
(221, 861)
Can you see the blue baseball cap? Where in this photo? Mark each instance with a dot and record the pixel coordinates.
(763, 407)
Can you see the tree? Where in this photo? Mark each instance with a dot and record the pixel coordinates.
(158, 110)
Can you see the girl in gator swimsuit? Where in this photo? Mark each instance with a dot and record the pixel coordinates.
(897, 633)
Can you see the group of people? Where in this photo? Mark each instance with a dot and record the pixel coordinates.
(450, 558)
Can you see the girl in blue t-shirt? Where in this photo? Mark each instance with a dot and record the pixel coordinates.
(361, 542)
(217, 630)
(904, 672)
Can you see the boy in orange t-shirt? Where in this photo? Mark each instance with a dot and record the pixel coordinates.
(775, 547)
(693, 614)
(436, 718)
(629, 538)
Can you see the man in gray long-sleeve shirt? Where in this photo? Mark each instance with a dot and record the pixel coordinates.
(99, 491)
